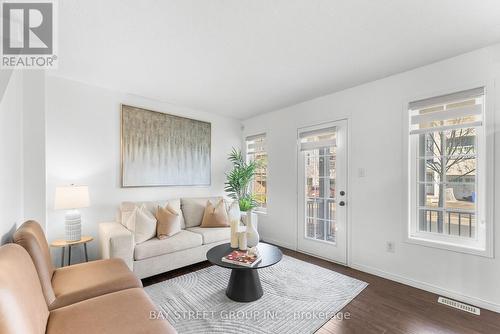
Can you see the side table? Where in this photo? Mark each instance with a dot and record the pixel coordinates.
(63, 243)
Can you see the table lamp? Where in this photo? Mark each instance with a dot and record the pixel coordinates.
(72, 198)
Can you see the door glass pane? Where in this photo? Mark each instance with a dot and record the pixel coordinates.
(330, 231)
(320, 193)
(331, 208)
(332, 188)
(310, 228)
(321, 208)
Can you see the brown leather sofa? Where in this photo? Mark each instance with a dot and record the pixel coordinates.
(23, 309)
(95, 297)
(68, 285)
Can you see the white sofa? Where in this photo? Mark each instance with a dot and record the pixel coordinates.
(156, 256)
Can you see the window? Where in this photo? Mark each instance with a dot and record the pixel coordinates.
(256, 151)
(447, 195)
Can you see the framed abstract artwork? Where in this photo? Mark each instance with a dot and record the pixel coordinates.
(159, 149)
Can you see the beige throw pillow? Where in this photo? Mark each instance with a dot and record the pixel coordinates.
(169, 222)
(142, 223)
(215, 216)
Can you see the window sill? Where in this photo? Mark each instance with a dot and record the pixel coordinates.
(453, 247)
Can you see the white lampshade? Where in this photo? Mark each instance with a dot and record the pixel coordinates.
(72, 197)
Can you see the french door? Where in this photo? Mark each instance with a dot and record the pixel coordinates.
(322, 192)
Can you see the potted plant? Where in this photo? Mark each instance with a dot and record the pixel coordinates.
(238, 188)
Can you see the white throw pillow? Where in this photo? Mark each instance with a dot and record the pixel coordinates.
(126, 210)
(142, 223)
(233, 211)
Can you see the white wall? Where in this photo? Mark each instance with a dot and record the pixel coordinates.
(11, 153)
(22, 149)
(83, 147)
(375, 113)
(34, 177)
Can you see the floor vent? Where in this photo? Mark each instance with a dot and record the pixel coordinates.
(459, 305)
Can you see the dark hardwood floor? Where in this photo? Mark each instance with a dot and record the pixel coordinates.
(385, 306)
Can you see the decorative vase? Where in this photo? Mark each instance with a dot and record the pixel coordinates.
(250, 221)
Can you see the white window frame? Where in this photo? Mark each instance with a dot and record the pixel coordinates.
(261, 210)
(482, 245)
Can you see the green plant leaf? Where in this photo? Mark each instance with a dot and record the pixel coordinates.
(239, 178)
(247, 203)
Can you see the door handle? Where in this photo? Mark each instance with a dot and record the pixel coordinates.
(342, 203)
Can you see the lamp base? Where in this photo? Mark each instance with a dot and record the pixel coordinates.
(73, 225)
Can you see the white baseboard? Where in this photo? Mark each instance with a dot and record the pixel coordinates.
(429, 287)
(481, 303)
(279, 243)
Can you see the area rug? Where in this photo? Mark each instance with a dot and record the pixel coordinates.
(299, 297)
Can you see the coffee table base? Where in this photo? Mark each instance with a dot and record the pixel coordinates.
(244, 285)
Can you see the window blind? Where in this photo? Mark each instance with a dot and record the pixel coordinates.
(319, 138)
(458, 110)
(256, 144)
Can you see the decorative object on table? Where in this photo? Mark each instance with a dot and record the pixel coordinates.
(236, 230)
(290, 286)
(159, 149)
(242, 241)
(235, 224)
(238, 187)
(250, 221)
(234, 215)
(72, 198)
(63, 244)
(242, 258)
(215, 215)
(233, 210)
(238, 180)
(254, 251)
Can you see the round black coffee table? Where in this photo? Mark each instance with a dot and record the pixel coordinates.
(244, 283)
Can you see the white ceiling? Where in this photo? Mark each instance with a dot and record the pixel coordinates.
(244, 57)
